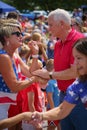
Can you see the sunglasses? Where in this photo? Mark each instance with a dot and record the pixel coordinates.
(75, 24)
(18, 34)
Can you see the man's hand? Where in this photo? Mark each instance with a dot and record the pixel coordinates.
(43, 73)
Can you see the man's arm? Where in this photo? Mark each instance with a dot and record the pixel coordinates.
(67, 74)
(6, 123)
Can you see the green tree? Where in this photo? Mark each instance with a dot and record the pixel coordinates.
(46, 4)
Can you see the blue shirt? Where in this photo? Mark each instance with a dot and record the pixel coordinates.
(77, 92)
(53, 88)
(50, 52)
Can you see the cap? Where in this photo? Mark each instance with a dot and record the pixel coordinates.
(78, 20)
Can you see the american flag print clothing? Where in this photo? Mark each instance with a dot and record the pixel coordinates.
(6, 95)
(77, 92)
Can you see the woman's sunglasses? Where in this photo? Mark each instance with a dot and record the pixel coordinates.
(17, 34)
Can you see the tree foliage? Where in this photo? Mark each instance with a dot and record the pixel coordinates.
(46, 4)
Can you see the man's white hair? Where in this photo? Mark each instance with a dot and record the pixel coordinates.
(60, 14)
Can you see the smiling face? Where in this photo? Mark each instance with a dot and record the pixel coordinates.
(80, 61)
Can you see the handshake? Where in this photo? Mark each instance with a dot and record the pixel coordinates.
(34, 118)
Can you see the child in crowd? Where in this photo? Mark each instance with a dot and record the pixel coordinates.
(33, 100)
(52, 95)
(36, 36)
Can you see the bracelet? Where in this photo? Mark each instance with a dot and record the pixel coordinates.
(35, 56)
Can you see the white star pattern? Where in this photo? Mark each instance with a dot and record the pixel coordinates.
(55, 84)
(81, 90)
(76, 98)
(84, 99)
(71, 93)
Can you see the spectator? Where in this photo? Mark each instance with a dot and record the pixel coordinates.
(50, 46)
(32, 100)
(84, 19)
(77, 24)
(13, 15)
(10, 84)
(36, 36)
(52, 95)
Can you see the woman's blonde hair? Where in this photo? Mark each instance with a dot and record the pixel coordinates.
(7, 27)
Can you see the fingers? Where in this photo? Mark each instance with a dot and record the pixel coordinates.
(34, 47)
(36, 116)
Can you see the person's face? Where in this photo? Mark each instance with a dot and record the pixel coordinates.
(85, 23)
(16, 38)
(80, 61)
(75, 25)
(54, 27)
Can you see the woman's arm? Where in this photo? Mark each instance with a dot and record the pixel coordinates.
(57, 113)
(60, 112)
(6, 123)
(6, 69)
(25, 69)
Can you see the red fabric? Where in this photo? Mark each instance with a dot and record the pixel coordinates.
(38, 95)
(63, 56)
(16, 109)
(56, 122)
(22, 99)
(7, 100)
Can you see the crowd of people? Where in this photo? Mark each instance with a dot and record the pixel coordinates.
(43, 65)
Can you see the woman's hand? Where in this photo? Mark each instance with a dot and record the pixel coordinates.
(37, 116)
(33, 47)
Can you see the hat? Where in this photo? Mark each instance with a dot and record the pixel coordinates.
(78, 20)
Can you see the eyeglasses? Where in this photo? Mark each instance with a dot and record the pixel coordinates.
(75, 24)
(17, 34)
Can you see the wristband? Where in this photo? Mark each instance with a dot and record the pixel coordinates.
(50, 75)
(35, 56)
